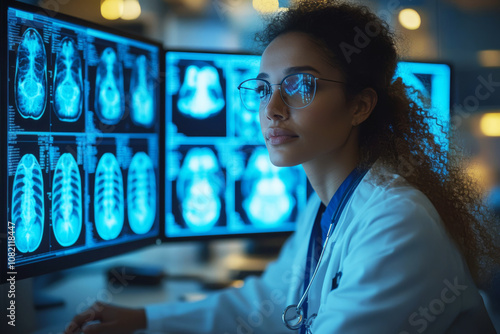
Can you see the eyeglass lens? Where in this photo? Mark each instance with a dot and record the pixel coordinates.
(297, 91)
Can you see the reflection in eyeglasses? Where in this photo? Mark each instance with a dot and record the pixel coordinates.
(201, 95)
(199, 188)
(267, 201)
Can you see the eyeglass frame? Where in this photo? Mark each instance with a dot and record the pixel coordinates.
(280, 85)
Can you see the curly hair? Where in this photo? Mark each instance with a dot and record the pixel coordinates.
(397, 133)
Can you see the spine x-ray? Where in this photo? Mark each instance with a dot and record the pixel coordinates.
(28, 211)
(66, 201)
(109, 203)
(141, 193)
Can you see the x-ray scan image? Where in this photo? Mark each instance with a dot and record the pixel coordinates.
(141, 193)
(28, 210)
(68, 82)
(109, 203)
(109, 95)
(142, 92)
(199, 187)
(267, 201)
(31, 75)
(66, 201)
(201, 95)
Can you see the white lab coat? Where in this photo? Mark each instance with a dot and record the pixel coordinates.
(401, 274)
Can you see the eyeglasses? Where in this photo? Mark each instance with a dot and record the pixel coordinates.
(297, 91)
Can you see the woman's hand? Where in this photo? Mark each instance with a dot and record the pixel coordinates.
(112, 320)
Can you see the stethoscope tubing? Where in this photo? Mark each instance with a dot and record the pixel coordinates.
(334, 220)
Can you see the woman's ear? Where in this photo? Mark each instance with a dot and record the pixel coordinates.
(363, 105)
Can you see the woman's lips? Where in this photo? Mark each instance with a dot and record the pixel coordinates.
(278, 136)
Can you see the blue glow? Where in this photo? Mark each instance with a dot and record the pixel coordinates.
(141, 193)
(68, 82)
(141, 90)
(67, 201)
(201, 95)
(433, 81)
(198, 189)
(108, 198)
(28, 204)
(31, 75)
(109, 95)
(267, 201)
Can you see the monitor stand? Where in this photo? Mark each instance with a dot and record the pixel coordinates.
(42, 300)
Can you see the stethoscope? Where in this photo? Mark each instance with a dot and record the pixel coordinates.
(293, 315)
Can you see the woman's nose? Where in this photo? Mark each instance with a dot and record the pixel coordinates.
(276, 109)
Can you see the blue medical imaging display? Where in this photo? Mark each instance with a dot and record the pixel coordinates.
(31, 75)
(432, 81)
(28, 204)
(67, 201)
(83, 137)
(219, 179)
(68, 82)
(141, 193)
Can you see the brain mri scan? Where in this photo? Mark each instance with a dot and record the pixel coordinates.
(66, 201)
(199, 188)
(108, 198)
(141, 193)
(28, 204)
(68, 82)
(109, 95)
(31, 75)
(141, 90)
(201, 95)
(267, 201)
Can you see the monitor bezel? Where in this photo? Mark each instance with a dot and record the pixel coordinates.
(55, 263)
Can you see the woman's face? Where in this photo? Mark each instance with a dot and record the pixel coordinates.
(317, 132)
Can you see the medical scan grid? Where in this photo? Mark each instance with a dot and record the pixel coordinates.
(219, 179)
(83, 137)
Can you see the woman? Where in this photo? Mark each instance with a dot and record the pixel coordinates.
(395, 230)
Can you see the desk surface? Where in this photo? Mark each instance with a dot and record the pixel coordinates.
(79, 288)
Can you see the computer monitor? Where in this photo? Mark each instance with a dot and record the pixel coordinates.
(219, 179)
(433, 82)
(81, 141)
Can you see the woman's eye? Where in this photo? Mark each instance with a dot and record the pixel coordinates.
(262, 91)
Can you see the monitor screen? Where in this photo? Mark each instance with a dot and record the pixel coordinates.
(83, 130)
(433, 81)
(219, 179)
